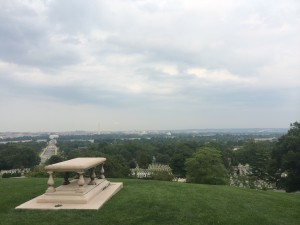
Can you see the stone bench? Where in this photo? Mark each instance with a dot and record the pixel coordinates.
(77, 165)
(80, 193)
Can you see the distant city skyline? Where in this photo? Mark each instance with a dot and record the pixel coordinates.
(261, 134)
(148, 65)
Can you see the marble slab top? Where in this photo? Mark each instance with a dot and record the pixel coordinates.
(77, 164)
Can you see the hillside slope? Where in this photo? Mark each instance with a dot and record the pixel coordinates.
(157, 202)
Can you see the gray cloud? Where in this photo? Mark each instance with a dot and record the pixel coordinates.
(190, 62)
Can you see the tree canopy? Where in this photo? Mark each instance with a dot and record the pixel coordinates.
(14, 156)
(286, 159)
(206, 167)
(257, 155)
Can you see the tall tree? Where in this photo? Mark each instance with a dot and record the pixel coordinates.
(116, 166)
(143, 159)
(206, 167)
(258, 156)
(286, 159)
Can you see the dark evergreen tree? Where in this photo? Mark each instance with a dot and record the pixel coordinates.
(286, 159)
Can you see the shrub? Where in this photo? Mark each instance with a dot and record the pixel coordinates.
(17, 174)
(206, 167)
(162, 175)
(6, 175)
(38, 171)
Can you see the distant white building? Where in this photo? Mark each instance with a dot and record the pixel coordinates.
(152, 168)
(241, 177)
(53, 136)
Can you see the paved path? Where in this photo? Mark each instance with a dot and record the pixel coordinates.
(49, 151)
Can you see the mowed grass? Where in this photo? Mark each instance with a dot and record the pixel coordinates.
(156, 202)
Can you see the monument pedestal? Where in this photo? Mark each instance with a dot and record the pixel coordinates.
(81, 193)
(72, 194)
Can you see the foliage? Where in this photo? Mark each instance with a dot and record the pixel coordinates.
(66, 147)
(11, 174)
(140, 149)
(142, 202)
(54, 159)
(257, 155)
(248, 181)
(143, 159)
(116, 166)
(37, 146)
(286, 159)
(137, 151)
(38, 171)
(225, 149)
(183, 151)
(132, 164)
(6, 175)
(162, 175)
(177, 164)
(15, 156)
(206, 167)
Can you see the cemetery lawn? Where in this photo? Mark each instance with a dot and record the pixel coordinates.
(156, 202)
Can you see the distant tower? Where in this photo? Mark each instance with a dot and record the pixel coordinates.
(153, 160)
(98, 131)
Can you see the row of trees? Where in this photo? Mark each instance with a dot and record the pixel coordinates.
(277, 162)
(13, 156)
(198, 159)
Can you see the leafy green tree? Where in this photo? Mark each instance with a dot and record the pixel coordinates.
(38, 171)
(162, 175)
(286, 159)
(206, 167)
(54, 159)
(177, 164)
(182, 152)
(132, 164)
(258, 156)
(143, 159)
(14, 156)
(116, 166)
(227, 154)
(162, 158)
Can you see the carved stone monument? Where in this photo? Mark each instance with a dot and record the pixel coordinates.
(80, 193)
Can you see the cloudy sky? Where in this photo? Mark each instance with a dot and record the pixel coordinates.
(148, 64)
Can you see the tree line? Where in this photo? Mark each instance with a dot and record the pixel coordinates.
(201, 159)
(16, 156)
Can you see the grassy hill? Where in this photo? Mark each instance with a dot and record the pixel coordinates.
(156, 202)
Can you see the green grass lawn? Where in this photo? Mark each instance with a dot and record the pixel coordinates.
(156, 202)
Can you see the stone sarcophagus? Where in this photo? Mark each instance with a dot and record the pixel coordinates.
(86, 191)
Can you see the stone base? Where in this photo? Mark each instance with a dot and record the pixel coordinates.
(71, 193)
(71, 197)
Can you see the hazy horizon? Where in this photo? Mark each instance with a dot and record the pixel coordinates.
(262, 129)
(148, 64)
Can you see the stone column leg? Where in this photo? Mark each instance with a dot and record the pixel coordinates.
(102, 172)
(50, 182)
(81, 182)
(93, 176)
(66, 178)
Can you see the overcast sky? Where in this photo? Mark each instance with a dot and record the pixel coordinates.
(149, 64)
